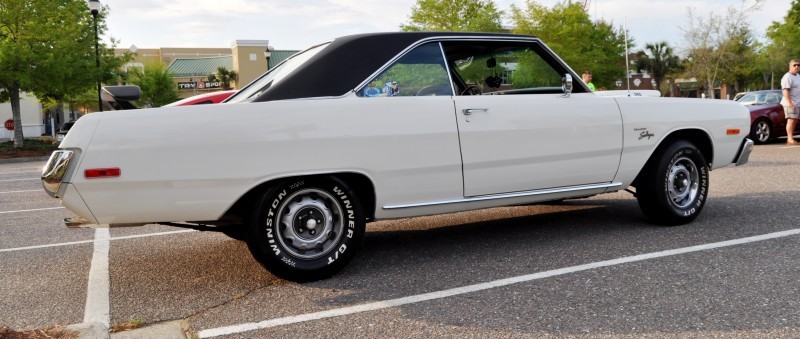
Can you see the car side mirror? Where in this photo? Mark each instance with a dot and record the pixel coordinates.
(566, 85)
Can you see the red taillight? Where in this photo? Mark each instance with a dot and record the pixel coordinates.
(733, 131)
(102, 172)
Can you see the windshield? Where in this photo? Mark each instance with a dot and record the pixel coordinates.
(760, 98)
(275, 75)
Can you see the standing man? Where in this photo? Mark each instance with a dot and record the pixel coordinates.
(790, 85)
(587, 78)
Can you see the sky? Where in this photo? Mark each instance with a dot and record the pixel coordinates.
(298, 24)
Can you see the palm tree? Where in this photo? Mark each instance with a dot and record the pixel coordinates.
(224, 76)
(660, 64)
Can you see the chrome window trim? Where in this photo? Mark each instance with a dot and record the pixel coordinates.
(440, 39)
(509, 195)
(447, 69)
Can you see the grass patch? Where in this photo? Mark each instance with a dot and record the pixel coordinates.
(30, 148)
(126, 326)
(47, 333)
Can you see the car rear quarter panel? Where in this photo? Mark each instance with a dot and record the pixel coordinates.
(192, 163)
(660, 117)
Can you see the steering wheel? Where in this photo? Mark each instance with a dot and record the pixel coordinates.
(472, 90)
(435, 90)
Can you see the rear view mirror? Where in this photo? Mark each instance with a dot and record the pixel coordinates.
(566, 84)
(491, 63)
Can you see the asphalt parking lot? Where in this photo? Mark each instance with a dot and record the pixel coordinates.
(586, 267)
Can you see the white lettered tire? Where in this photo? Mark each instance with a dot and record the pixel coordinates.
(673, 186)
(307, 228)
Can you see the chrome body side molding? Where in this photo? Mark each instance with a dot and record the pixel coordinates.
(614, 185)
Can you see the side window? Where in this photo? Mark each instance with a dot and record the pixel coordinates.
(773, 98)
(507, 68)
(420, 72)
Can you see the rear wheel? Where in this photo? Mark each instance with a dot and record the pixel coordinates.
(761, 131)
(306, 229)
(673, 186)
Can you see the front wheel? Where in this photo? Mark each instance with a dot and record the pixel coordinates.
(306, 229)
(761, 131)
(673, 186)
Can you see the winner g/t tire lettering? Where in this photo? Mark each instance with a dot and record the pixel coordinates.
(673, 186)
(306, 229)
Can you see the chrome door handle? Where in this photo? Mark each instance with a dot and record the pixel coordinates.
(468, 111)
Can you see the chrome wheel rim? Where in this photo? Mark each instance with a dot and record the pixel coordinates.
(683, 182)
(310, 224)
(762, 131)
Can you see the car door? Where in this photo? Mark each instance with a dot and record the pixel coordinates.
(523, 134)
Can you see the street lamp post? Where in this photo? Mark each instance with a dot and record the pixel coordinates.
(94, 7)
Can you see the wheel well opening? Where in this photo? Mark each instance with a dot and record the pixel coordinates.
(363, 187)
(697, 137)
(765, 119)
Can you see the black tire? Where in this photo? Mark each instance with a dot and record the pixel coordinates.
(306, 229)
(673, 186)
(761, 131)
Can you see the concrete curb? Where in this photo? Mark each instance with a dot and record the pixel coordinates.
(90, 330)
(16, 160)
(165, 330)
(175, 329)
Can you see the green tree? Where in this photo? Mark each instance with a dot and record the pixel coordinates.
(745, 71)
(581, 43)
(454, 15)
(224, 76)
(155, 82)
(47, 49)
(783, 44)
(714, 42)
(659, 60)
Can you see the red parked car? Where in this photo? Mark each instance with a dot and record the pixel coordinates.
(205, 98)
(767, 121)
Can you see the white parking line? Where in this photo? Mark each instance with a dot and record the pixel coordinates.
(26, 172)
(98, 307)
(97, 293)
(91, 241)
(33, 210)
(26, 191)
(233, 329)
(12, 180)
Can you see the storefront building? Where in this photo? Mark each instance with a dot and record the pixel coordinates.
(192, 66)
(33, 123)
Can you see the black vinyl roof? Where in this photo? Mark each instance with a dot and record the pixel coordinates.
(349, 60)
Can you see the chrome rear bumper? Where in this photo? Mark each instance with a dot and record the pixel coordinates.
(54, 171)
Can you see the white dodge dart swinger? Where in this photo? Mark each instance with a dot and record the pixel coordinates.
(391, 125)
